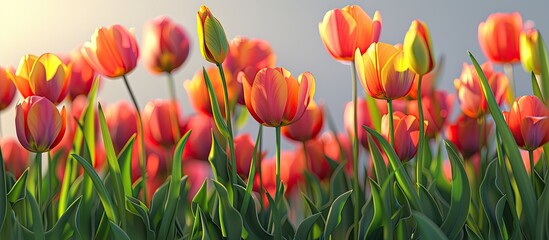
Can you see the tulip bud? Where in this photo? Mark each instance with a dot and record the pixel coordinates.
(211, 36)
(418, 48)
(39, 125)
(161, 122)
(499, 37)
(528, 121)
(529, 51)
(308, 126)
(406, 132)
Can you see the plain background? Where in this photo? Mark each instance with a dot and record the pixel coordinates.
(291, 27)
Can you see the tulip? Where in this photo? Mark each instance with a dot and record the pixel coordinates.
(291, 172)
(122, 122)
(469, 91)
(528, 120)
(334, 151)
(82, 75)
(16, 158)
(344, 30)
(166, 45)
(198, 92)
(418, 48)
(464, 134)
(383, 72)
(308, 126)
(275, 98)
(311, 153)
(529, 50)
(248, 56)
(499, 37)
(198, 171)
(211, 36)
(112, 52)
(428, 82)
(244, 151)
(45, 76)
(7, 88)
(199, 142)
(437, 108)
(406, 134)
(363, 119)
(39, 125)
(161, 122)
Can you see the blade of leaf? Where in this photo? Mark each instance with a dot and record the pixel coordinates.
(125, 160)
(117, 232)
(19, 189)
(334, 215)
(230, 219)
(305, 226)
(428, 228)
(57, 229)
(37, 225)
(544, 63)
(251, 175)
(379, 165)
(218, 117)
(3, 193)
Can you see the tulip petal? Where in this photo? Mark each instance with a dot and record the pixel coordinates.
(44, 124)
(247, 89)
(20, 125)
(268, 96)
(534, 131)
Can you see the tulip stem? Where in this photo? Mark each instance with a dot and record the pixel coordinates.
(532, 167)
(276, 219)
(171, 87)
(228, 120)
(260, 159)
(356, 187)
(419, 156)
(508, 70)
(173, 115)
(1, 133)
(140, 133)
(38, 163)
(391, 123)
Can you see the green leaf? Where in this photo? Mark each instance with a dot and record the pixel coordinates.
(250, 217)
(37, 225)
(535, 87)
(19, 189)
(157, 203)
(201, 198)
(3, 194)
(427, 227)
(305, 226)
(380, 168)
(500, 206)
(544, 63)
(526, 189)
(209, 229)
(138, 209)
(219, 162)
(57, 230)
(368, 219)
(381, 213)
(100, 188)
(334, 215)
(461, 195)
(489, 196)
(230, 219)
(218, 117)
(125, 161)
(543, 215)
(251, 175)
(117, 232)
(168, 218)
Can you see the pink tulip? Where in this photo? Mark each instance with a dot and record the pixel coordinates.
(464, 133)
(160, 123)
(528, 120)
(82, 75)
(16, 158)
(436, 109)
(363, 119)
(122, 122)
(200, 141)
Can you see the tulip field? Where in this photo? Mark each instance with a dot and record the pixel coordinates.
(403, 168)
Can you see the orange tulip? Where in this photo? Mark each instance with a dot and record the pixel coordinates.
(314, 159)
(248, 56)
(308, 126)
(363, 119)
(383, 72)
(244, 151)
(291, 173)
(470, 95)
(499, 37)
(198, 91)
(45, 76)
(82, 75)
(122, 122)
(529, 50)
(16, 158)
(159, 122)
(418, 48)
(39, 125)
(464, 133)
(406, 132)
(112, 52)
(528, 120)
(436, 109)
(200, 141)
(166, 45)
(275, 98)
(344, 30)
(7, 89)
(211, 36)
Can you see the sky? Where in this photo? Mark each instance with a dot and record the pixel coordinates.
(291, 27)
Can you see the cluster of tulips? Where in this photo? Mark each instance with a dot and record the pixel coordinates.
(152, 173)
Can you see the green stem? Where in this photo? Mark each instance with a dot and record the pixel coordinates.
(508, 70)
(171, 87)
(51, 174)
(356, 187)
(140, 133)
(391, 123)
(228, 120)
(260, 159)
(173, 116)
(276, 219)
(38, 163)
(532, 167)
(1, 133)
(419, 157)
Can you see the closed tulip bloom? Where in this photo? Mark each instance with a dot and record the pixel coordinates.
(275, 98)
(16, 158)
(314, 160)
(308, 126)
(38, 123)
(200, 141)
(198, 92)
(211, 36)
(166, 45)
(248, 56)
(406, 129)
(122, 122)
(499, 37)
(469, 90)
(45, 76)
(338, 149)
(529, 50)
(159, 122)
(291, 173)
(344, 30)
(528, 120)
(112, 52)
(383, 71)
(363, 119)
(464, 134)
(244, 151)
(418, 48)
(7, 88)
(82, 75)
(197, 171)
(436, 109)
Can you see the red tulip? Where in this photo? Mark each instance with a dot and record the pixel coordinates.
(16, 158)
(200, 141)
(39, 125)
(344, 30)
(82, 75)
(499, 37)
(406, 130)
(45, 76)
(291, 172)
(198, 91)
(314, 159)
(112, 52)
(122, 122)
(436, 109)
(248, 56)
(159, 122)
(308, 126)
(363, 119)
(528, 120)
(244, 151)
(275, 98)
(470, 95)
(525, 158)
(7, 88)
(383, 72)
(464, 133)
(198, 171)
(166, 45)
